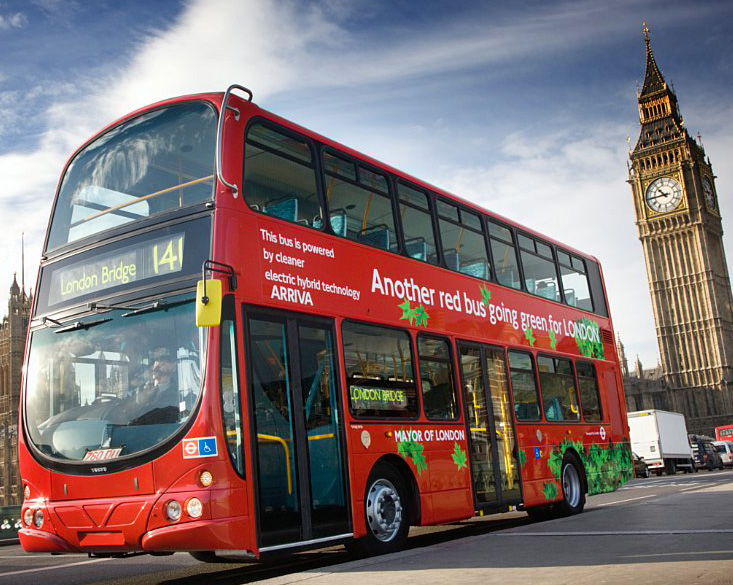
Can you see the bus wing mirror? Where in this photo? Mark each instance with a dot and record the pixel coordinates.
(208, 303)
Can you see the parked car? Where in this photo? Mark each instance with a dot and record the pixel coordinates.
(641, 469)
(725, 450)
(706, 455)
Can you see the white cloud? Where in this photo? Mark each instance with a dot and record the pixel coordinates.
(15, 20)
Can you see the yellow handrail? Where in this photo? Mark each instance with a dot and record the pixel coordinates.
(319, 437)
(284, 444)
(143, 198)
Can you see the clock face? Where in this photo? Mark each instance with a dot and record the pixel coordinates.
(707, 189)
(664, 195)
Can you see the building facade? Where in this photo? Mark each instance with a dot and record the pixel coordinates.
(12, 346)
(680, 229)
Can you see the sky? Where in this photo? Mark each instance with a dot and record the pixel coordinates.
(527, 107)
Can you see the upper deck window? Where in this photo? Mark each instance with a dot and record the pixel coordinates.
(574, 281)
(504, 252)
(359, 203)
(540, 272)
(417, 224)
(279, 178)
(157, 162)
(464, 247)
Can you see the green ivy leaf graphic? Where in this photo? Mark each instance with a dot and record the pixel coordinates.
(414, 451)
(414, 315)
(589, 347)
(522, 458)
(549, 489)
(459, 456)
(485, 295)
(421, 316)
(553, 340)
(529, 334)
(407, 311)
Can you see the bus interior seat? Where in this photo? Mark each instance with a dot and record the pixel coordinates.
(451, 258)
(417, 248)
(527, 411)
(478, 268)
(546, 290)
(284, 208)
(570, 296)
(375, 235)
(339, 222)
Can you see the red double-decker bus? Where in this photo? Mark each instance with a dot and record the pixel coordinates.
(250, 339)
(724, 433)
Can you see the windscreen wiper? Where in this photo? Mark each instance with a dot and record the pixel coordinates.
(81, 325)
(157, 306)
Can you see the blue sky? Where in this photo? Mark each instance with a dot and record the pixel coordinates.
(524, 107)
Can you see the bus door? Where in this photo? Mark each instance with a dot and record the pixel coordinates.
(492, 440)
(301, 490)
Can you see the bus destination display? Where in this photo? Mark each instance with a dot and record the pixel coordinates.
(134, 263)
(369, 398)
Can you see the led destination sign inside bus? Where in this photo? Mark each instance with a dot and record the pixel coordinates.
(141, 261)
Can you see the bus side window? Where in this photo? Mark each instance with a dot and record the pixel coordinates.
(559, 395)
(436, 376)
(379, 372)
(504, 255)
(588, 386)
(574, 281)
(417, 224)
(524, 386)
(462, 236)
(596, 288)
(279, 177)
(230, 397)
(359, 202)
(538, 265)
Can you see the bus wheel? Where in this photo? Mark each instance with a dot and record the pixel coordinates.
(573, 494)
(385, 511)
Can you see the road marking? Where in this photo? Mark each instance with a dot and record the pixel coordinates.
(623, 501)
(54, 568)
(616, 533)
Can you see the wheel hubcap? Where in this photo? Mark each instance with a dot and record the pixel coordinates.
(384, 510)
(571, 485)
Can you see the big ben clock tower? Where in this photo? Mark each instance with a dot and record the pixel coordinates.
(680, 229)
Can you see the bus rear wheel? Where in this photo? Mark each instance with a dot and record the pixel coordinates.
(573, 490)
(386, 513)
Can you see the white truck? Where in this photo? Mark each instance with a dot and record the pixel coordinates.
(660, 437)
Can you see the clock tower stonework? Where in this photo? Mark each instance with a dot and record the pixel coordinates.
(680, 229)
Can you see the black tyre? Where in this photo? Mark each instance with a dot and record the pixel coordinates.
(573, 488)
(646, 473)
(386, 513)
(671, 468)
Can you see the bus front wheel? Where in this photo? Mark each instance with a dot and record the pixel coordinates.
(386, 512)
(573, 491)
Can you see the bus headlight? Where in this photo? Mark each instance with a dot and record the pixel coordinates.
(194, 508)
(38, 518)
(206, 479)
(28, 517)
(173, 510)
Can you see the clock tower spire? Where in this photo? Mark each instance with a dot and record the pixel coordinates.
(680, 229)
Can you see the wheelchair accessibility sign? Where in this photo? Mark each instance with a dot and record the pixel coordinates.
(199, 447)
